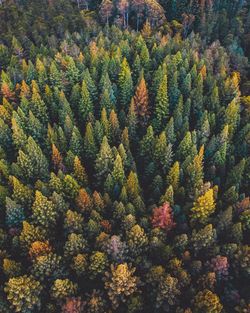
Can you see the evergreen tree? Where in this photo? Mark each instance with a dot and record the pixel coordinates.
(141, 102)
(44, 212)
(32, 164)
(85, 104)
(90, 148)
(204, 206)
(161, 105)
(125, 84)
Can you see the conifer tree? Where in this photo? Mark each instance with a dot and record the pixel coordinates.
(148, 144)
(125, 84)
(90, 148)
(142, 102)
(120, 283)
(118, 171)
(195, 172)
(80, 172)
(104, 160)
(161, 106)
(163, 152)
(44, 212)
(204, 206)
(132, 186)
(56, 158)
(105, 123)
(115, 131)
(38, 106)
(208, 301)
(85, 104)
(173, 177)
(232, 116)
(76, 142)
(32, 163)
(105, 102)
(23, 292)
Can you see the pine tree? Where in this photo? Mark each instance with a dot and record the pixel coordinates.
(85, 105)
(173, 177)
(104, 161)
(18, 134)
(30, 234)
(23, 292)
(63, 288)
(32, 163)
(132, 186)
(21, 194)
(71, 187)
(90, 148)
(55, 76)
(125, 84)
(80, 172)
(83, 200)
(14, 213)
(232, 116)
(56, 158)
(195, 172)
(170, 131)
(105, 102)
(44, 212)
(148, 144)
(167, 291)
(185, 147)
(120, 283)
(132, 121)
(76, 142)
(118, 171)
(142, 102)
(161, 106)
(115, 131)
(204, 206)
(163, 217)
(105, 123)
(207, 301)
(38, 106)
(163, 152)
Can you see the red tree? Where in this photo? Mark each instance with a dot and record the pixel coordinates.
(163, 217)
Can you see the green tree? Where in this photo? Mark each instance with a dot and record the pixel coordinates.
(90, 148)
(161, 106)
(85, 105)
(118, 171)
(104, 161)
(32, 163)
(125, 84)
(44, 212)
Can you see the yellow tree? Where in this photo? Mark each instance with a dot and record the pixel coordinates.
(204, 206)
(173, 177)
(80, 172)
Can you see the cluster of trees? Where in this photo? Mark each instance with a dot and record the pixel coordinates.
(124, 167)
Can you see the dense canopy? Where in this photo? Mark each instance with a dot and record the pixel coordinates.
(124, 156)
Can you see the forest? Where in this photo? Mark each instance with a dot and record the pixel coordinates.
(125, 156)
